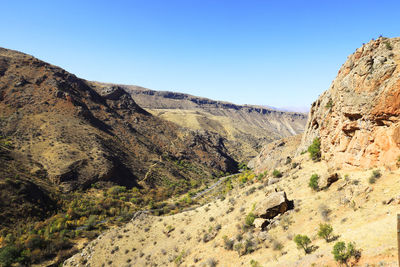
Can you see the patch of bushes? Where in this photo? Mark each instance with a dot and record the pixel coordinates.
(315, 150)
(250, 219)
(376, 174)
(342, 253)
(228, 243)
(277, 174)
(314, 182)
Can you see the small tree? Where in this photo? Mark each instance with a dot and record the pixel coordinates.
(315, 150)
(343, 253)
(314, 182)
(250, 219)
(325, 231)
(302, 242)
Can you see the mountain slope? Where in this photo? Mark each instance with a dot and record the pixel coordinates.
(245, 127)
(71, 134)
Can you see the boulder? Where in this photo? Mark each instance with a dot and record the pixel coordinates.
(326, 180)
(260, 223)
(276, 203)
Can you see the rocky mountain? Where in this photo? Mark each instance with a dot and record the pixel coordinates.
(358, 118)
(67, 133)
(247, 128)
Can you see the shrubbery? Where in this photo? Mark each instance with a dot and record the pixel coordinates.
(277, 174)
(314, 182)
(325, 231)
(343, 253)
(315, 150)
(250, 219)
(303, 242)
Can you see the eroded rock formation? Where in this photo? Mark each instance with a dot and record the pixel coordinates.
(357, 118)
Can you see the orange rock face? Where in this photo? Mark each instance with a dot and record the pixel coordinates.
(358, 117)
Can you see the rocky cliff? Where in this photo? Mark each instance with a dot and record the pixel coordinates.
(247, 128)
(357, 118)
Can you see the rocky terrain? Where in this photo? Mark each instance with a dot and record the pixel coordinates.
(335, 187)
(61, 135)
(357, 118)
(247, 128)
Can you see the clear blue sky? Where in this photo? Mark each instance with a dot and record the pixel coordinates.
(278, 53)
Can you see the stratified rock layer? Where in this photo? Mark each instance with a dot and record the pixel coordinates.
(357, 118)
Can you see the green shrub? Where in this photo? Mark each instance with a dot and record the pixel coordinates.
(325, 231)
(238, 248)
(371, 180)
(329, 104)
(242, 166)
(254, 263)
(303, 242)
(343, 253)
(9, 255)
(228, 243)
(250, 219)
(315, 150)
(277, 174)
(376, 174)
(388, 45)
(314, 182)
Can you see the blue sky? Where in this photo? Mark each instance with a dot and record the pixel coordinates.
(277, 53)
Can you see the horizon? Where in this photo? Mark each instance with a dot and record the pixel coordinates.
(281, 55)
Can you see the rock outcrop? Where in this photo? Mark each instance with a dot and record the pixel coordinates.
(276, 203)
(358, 118)
(275, 154)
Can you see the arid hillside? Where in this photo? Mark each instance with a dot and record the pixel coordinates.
(247, 128)
(61, 135)
(222, 233)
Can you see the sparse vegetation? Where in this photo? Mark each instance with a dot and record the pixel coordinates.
(324, 211)
(250, 219)
(277, 245)
(254, 263)
(212, 262)
(243, 166)
(388, 45)
(376, 174)
(315, 150)
(228, 243)
(314, 182)
(343, 253)
(325, 231)
(277, 174)
(329, 105)
(303, 242)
